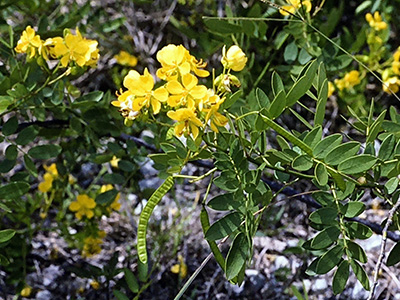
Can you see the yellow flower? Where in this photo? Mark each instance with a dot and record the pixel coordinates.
(29, 42)
(140, 93)
(26, 291)
(83, 206)
(95, 284)
(173, 60)
(180, 268)
(196, 66)
(295, 5)
(115, 205)
(391, 85)
(188, 122)
(114, 162)
(375, 21)
(349, 80)
(234, 58)
(49, 176)
(91, 246)
(125, 59)
(75, 48)
(185, 93)
(331, 88)
(210, 105)
(396, 62)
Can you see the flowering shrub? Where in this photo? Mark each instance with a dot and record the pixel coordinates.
(70, 161)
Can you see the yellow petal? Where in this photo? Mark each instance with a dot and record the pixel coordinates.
(174, 87)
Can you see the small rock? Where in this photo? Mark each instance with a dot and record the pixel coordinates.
(237, 290)
(359, 292)
(371, 244)
(320, 285)
(281, 262)
(44, 295)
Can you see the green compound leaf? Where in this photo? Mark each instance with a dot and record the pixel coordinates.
(356, 252)
(45, 151)
(325, 215)
(237, 256)
(394, 255)
(302, 85)
(339, 153)
(14, 190)
(205, 224)
(224, 226)
(145, 216)
(322, 148)
(325, 238)
(329, 260)
(340, 278)
(357, 164)
(6, 235)
(360, 274)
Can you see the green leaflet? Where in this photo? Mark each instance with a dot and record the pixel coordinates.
(205, 224)
(145, 216)
(340, 278)
(288, 136)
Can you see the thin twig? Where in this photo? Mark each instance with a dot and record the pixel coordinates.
(382, 251)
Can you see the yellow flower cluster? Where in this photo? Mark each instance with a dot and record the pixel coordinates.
(48, 177)
(189, 103)
(349, 80)
(375, 21)
(92, 244)
(295, 5)
(125, 59)
(68, 49)
(83, 206)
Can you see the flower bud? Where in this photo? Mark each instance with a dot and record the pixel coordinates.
(234, 58)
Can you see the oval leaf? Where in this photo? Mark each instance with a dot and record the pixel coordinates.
(358, 231)
(330, 259)
(357, 164)
(353, 209)
(45, 151)
(14, 190)
(321, 174)
(325, 238)
(360, 274)
(323, 147)
(357, 252)
(325, 215)
(340, 278)
(338, 154)
(394, 255)
(224, 226)
(237, 256)
(302, 163)
(6, 235)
